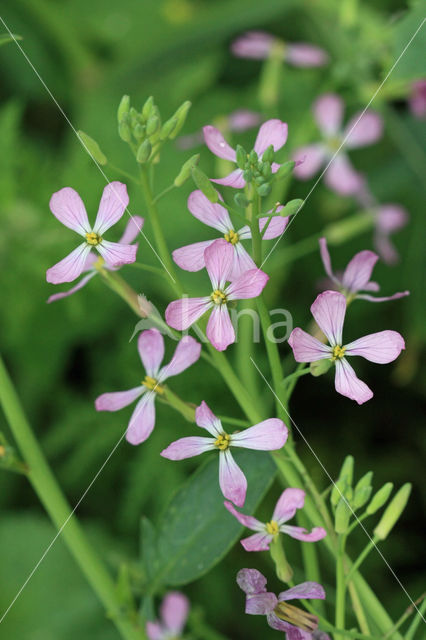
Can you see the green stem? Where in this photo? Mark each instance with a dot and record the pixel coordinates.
(340, 587)
(121, 288)
(358, 609)
(125, 174)
(370, 546)
(418, 618)
(55, 503)
(299, 372)
(148, 267)
(163, 193)
(310, 561)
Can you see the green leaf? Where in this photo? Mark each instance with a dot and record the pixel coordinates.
(196, 531)
(411, 65)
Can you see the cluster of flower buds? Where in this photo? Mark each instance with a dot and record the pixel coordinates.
(257, 169)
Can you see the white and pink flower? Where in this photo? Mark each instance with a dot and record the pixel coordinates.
(151, 351)
(259, 45)
(285, 509)
(237, 121)
(173, 615)
(268, 435)
(191, 257)
(329, 311)
(219, 260)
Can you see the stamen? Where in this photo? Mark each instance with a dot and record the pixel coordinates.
(232, 237)
(338, 352)
(152, 385)
(93, 238)
(272, 528)
(300, 618)
(218, 297)
(222, 442)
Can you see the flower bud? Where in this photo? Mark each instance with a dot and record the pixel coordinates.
(139, 131)
(204, 184)
(285, 169)
(282, 567)
(152, 125)
(124, 131)
(241, 200)
(134, 117)
(345, 480)
(393, 512)
(268, 155)
(292, 207)
(342, 515)
(319, 367)
(264, 190)
(253, 157)
(147, 108)
(167, 128)
(241, 154)
(92, 148)
(123, 109)
(380, 498)
(144, 152)
(363, 490)
(185, 172)
(180, 116)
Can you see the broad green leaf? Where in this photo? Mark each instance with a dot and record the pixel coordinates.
(411, 66)
(196, 531)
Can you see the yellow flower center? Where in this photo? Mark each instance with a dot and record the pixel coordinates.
(232, 237)
(152, 384)
(99, 263)
(93, 238)
(272, 528)
(338, 352)
(334, 143)
(218, 297)
(222, 441)
(296, 616)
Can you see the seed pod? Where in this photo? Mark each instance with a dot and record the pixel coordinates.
(380, 498)
(144, 152)
(185, 172)
(204, 184)
(93, 148)
(393, 512)
(123, 109)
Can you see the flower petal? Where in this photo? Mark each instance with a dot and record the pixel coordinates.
(187, 352)
(174, 611)
(299, 533)
(363, 129)
(306, 348)
(275, 227)
(272, 132)
(232, 480)
(391, 217)
(381, 347)
(151, 351)
(234, 179)
(253, 44)
(247, 521)
(395, 296)
(113, 204)
(329, 310)
(220, 330)
(243, 119)
(132, 230)
(268, 435)
(118, 399)
(385, 248)
(249, 285)
(191, 257)
(219, 258)
(188, 447)
(142, 421)
(212, 214)
(358, 272)
(301, 54)
(326, 260)
(328, 113)
(304, 590)
(116, 254)
(257, 542)
(77, 287)
(342, 177)
(251, 581)
(309, 160)
(289, 501)
(67, 206)
(242, 262)
(154, 630)
(280, 625)
(217, 143)
(181, 314)
(260, 604)
(205, 418)
(347, 383)
(70, 267)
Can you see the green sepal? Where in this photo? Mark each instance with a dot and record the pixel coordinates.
(144, 152)
(204, 184)
(93, 148)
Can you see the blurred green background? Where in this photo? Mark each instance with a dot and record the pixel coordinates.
(63, 355)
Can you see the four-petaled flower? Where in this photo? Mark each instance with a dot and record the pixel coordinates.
(260, 45)
(94, 262)
(329, 310)
(151, 351)
(191, 257)
(268, 435)
(238, 121)
(297, 623)
(285, 509)
(418, 99)
(356, 276)
(219, 259)
(363, 129)
(173, 614)
(272, 132)
(68, 207)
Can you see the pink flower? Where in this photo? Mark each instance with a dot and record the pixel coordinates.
(272, 132)
(191, 257)
(68, 207)
(359, 132)
(418, 99)
(238, 121)
(268, 435)
(219, 259)
(173, 614)
(356, 276)
(279, 615)
(285, 509)
(260, 45)
(151, 351)
(329, 310)
(133, 227)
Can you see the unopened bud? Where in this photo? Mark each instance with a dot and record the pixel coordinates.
(319, 367)
(342, 515)
(123, 109)
(344, 482)
(363, 490)
(268, 155)
(124, 131)
(253, 157)
(144, 152)
(147, 108)
(393, 512)
(204, 184)
(241, 154)
(264, 190)
(92, 148)
(380, 498)
(292, 207)
(241, 200)
(285, 169)
(185, 172)
(152, 125)
(167, 128)
(134, 117)
(180, 116)
(282, 567)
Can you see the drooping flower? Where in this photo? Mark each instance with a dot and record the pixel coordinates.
(219, 260)
(151, 351)
(272, 132)
(268, 435)
(238, 121)
(285, 509)
(191, 257)
(259, 45)
(173, 615)
(329, 310)
(360, 131)
(296, 623)
(418, 99)
(93, 262)
(68, 207)
(356, 276)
